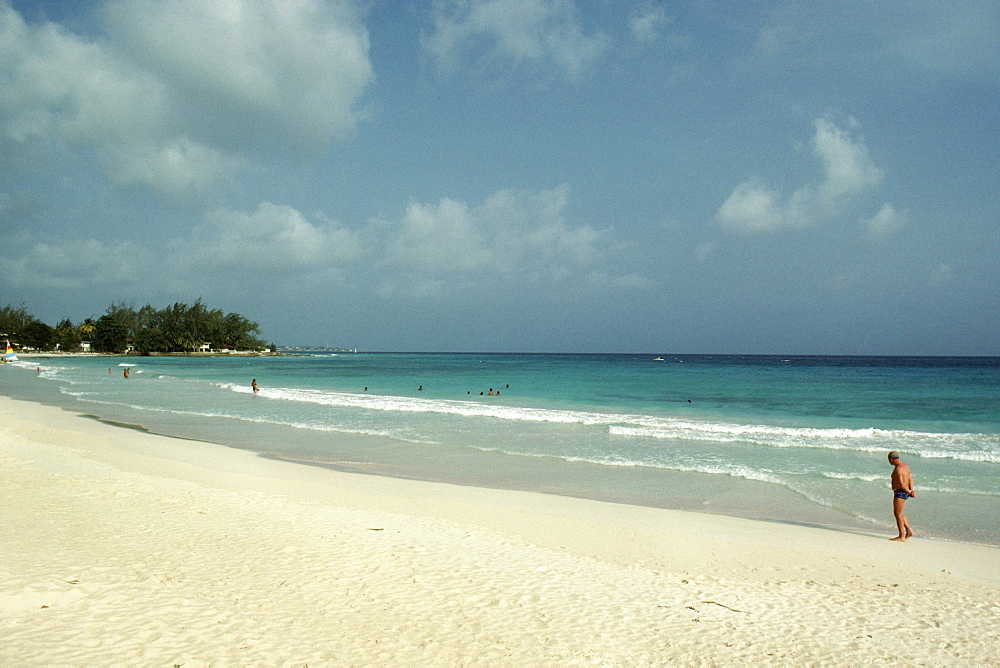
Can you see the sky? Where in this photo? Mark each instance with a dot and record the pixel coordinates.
(512, 175)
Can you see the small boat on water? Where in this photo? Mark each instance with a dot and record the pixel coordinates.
(658, 359)
(9, 356)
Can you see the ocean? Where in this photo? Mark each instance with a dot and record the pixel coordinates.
(787, 439)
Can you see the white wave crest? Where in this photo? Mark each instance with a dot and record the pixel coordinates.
(960, 446)
(313, 426)
(966, 447)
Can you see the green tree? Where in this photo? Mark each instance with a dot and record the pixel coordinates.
(86, 329)
(124, 315)
(110, 336)
(14, 321)
(39, 336)
(151, 340)
(240, 333)
(176, 328)
(67, 336)
(147, 318)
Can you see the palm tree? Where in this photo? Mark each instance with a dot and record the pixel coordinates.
(67, 336)
(87, 328)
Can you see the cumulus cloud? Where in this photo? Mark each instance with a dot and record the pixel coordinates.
(73, 264)
(848, 169)
(56, 85)
(506, 33)
(887, 221)
(174, 90)
(274, 240)
(439, 239)
(291, 68)
(755, 207)
(848, 173)
(178, 168)
(512, 237)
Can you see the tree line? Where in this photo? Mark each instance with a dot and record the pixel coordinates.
(176, 328)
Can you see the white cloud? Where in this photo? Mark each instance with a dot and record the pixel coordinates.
(178, 168)
(74, 264)
(176, 90)
(755, 207)
(504, 33)
(885, 222)
(439, 239)
(274, 240)
(848, 173)
(58, 86)
(229, 246)
(292, 68)
(848, 169)
(514, 237)
(647, 22)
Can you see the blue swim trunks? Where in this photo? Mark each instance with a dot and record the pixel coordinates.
(901, 494)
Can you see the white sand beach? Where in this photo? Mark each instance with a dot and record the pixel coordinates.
(122, 547)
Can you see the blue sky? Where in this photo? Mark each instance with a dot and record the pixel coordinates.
(512, 175)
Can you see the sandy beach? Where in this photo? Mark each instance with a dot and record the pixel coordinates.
(123, 547)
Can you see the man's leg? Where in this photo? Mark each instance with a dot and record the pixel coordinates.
(901, 524)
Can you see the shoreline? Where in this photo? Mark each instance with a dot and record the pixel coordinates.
(641, 481)
(630, 485)
(125, 546)
(356, 469)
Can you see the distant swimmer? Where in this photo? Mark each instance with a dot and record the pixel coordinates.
(902, 489)
(420, 388)
(253, 384)
(126, 373)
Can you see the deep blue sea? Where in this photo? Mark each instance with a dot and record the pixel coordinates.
(793, 439)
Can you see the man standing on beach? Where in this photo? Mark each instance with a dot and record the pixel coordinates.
(902, 489)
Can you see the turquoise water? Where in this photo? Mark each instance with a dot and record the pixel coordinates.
(799, 439)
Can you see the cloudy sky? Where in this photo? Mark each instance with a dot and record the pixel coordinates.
(512, 175)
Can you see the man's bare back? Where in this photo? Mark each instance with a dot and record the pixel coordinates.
(901, 477)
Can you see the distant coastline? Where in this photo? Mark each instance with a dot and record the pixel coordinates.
(227, 353)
